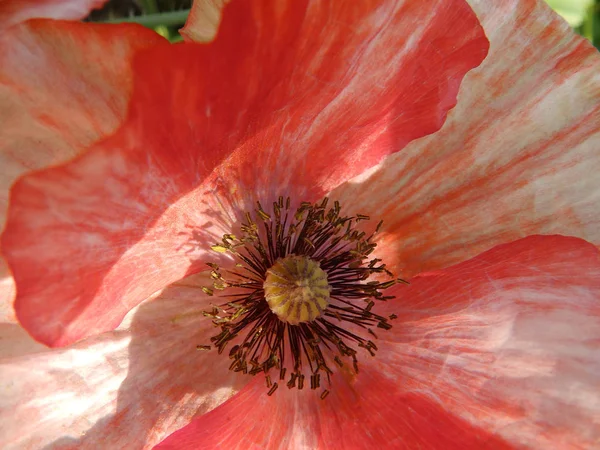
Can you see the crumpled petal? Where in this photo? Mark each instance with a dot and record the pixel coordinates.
(500, 351)
(508, 341)
(204, 19)
(298, 100)
(7, 294)
(63, 86)
(373, 413)
(128, 388)
(517, 156)
(15, 11)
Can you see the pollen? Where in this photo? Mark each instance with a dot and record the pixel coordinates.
(296, 289)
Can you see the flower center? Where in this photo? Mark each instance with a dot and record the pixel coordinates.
(296, 289)
(301, 294)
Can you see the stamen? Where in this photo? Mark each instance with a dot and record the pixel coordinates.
(302, 276)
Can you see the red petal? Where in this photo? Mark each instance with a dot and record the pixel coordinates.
(91, 239)
(129, 388)
(375, 412)
(499, 351)
(507, 341)
(518, 155)
(15, 11)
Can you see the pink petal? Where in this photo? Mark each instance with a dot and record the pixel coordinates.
(55, 103)
(518, 155)
(374, 412)
(495, 352)
(123, 389)
(508, 341)
(204, 19)
(15, 11)
(14, 340)
(361, 83)
(7, 294)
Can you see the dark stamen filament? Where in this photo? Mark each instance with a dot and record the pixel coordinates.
(319, 235)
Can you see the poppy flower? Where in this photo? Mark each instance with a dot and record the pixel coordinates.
(494, 341)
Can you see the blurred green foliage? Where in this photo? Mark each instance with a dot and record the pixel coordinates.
(582, 15)
(574, 11)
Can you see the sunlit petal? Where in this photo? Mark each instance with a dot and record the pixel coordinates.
(518, 155)
(134, 385)
(15, 11)
(360, 83)
(496, 352)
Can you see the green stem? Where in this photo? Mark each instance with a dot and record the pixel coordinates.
(154, 20)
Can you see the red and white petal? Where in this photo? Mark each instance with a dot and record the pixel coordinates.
(507, 341)
(129, 388)
(15, 11)
(14, 340)
(7, 294)
(374, 412)
(358, 87)
(203, 21)
(297, 99)
(497, 352)
(517, 156)
(63, 86)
